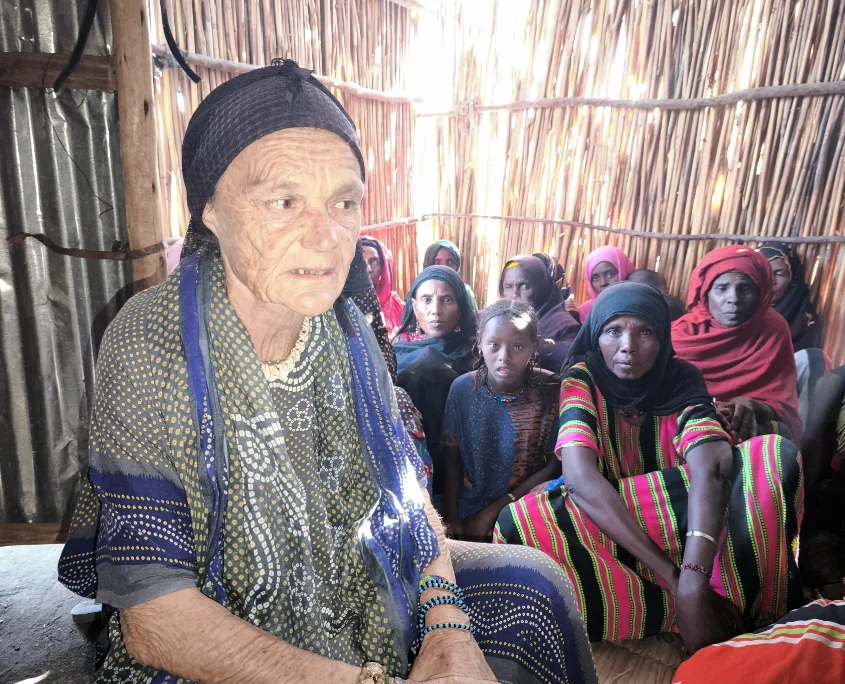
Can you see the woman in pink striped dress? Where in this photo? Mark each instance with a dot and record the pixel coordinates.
(661, 524)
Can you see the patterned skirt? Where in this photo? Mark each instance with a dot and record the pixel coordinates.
(525, 615)
(622, 599)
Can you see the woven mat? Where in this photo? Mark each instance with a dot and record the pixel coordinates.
(649, 661)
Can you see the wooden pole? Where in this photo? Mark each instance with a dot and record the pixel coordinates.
(142, 195)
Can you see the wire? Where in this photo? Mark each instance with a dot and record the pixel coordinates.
(81, 41)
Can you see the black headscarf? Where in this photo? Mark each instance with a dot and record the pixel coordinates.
(466, 321)
(546, 294)
(805, 326)
(243, 110)
(671, 385)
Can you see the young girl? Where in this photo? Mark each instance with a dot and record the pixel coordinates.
(500, 424)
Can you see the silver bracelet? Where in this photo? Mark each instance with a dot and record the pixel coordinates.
(696, 533)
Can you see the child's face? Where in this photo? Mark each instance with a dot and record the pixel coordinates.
(507, 347)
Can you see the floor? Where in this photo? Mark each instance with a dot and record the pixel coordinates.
(39, 641)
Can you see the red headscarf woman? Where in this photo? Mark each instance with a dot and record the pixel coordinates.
(741, 345)
(380, 266)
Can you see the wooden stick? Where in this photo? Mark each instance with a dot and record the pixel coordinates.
(241, 67)
(40, 70)
(141, 189)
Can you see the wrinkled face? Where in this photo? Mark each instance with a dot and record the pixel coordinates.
(507, 347)
(630, 346)
(287, 213)
(604, 275)
(436, 308)
(373, 264)
(515, 285)
(782, 276)
(444, 257)
(732, 298)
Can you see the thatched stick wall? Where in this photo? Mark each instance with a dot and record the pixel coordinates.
(774, 167)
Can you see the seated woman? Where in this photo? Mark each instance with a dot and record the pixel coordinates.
(446, 253)
(525, 278)
(433, 348)
(380, 267)
(791, 299)
(498, 423)
(740, 345)
(649, 475)
(791, 296)
(604, 266)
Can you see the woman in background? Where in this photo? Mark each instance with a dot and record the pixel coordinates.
(446, 253)
(791, 296)
(526, 279)
(379, 262)
(433, 348)
(740, 344)
(604, 266)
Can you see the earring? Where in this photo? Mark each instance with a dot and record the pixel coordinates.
(419, 329)
(533, 362)
(457, 327)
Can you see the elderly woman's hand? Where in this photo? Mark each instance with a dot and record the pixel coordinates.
(452, 654)
(741, 418)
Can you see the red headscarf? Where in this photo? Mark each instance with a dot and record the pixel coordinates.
(612, 255)
(752, 360)
(391, 303)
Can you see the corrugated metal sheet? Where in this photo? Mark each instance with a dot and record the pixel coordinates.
(59, 175)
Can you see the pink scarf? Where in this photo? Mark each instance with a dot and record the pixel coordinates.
(612, 255)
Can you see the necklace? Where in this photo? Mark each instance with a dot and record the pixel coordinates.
(279, 370)
(504, 398)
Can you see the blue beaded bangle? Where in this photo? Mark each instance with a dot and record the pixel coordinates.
(437, 582)
(440, 601)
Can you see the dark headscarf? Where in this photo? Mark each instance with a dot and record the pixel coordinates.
(435, 247)
(556, 327)
(466, 320)
(243, 110)
(671, 385)
(796, 307)
(546, 295)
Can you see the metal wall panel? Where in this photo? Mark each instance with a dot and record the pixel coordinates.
(59, 175)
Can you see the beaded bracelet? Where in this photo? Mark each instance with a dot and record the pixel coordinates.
(441, 625)
(438, 582)
(440, 601)
(697, 568)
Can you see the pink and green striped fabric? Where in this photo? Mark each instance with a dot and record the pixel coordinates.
(618, 596)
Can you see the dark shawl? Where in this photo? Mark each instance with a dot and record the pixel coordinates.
(555, 322)
(805, 325)
(671, 386)
(427, 368)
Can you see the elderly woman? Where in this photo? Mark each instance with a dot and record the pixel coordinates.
(660, 523)
(446, 253)
(258, 512)
(604, 266)
(740, 344)
(433, 348)
(380, 267)
(526, 278)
